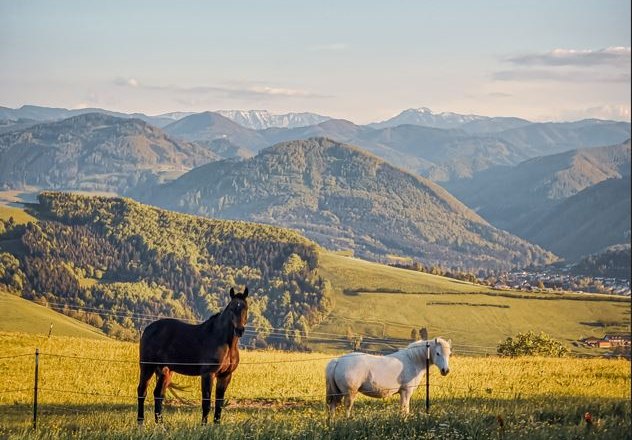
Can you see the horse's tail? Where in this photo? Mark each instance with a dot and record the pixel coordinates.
(333, 392)
(172, 388)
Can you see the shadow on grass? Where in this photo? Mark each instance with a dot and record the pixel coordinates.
(538, 418)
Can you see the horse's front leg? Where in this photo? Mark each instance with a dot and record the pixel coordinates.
(404, 400)
(207, 385)
(220, 389)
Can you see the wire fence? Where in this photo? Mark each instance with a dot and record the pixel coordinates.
(128, 400)
(282, 335)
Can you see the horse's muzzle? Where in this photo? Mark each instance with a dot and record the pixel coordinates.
(239, 331)
(444, 371)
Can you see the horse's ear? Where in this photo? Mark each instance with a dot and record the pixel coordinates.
(450, 343)
(245, 295)
(232, 292)
(435, 340)
(424, 333)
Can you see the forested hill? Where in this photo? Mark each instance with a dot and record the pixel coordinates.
(93, 152)
(345, 198)
(122, 261)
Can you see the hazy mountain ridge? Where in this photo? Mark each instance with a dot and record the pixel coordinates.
(93, 152)
(512, 197)
(49, 114)
(343, 197)
(591, 220)
(614, 261)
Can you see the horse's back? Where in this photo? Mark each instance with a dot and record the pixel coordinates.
(164, 334)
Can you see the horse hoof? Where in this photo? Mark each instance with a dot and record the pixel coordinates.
(140, 422)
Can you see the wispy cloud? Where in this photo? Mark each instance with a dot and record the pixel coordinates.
(616, 56)
(130, 82)
(617, 112)
(330, 47)
(251, 90)
(499, 95)
(561, 76)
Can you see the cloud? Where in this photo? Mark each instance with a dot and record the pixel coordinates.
(499, 95)
(561, 76)
(129, 82)
(617, 112)
(616, 56)
(248, 90)
(331, 47)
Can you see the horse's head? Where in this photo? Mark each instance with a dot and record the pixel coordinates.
(440, 351)
(238, 309)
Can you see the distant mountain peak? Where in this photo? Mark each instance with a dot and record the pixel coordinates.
(262, 119)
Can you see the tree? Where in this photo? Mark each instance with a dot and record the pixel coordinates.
(532, 344)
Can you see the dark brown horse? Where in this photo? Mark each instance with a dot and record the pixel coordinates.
(209, 350)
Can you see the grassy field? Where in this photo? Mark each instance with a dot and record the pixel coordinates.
(348, 273)
(25, 316)
(280, 395)
(475, 317)
(19, 215)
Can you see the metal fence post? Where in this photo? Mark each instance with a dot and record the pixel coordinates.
(35, 388)
(427, 377)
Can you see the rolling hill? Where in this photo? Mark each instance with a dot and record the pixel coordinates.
(587, 222)
(21, 315)
(93, 152)
(512, 198)
(125, 263)
(209, 126)
(382, 302)
(345, 198)
(38, 113)
(614, 261)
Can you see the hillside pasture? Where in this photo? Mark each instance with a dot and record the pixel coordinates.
(21, 315)
(281, 395)
(383, 302)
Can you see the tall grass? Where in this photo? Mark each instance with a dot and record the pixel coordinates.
(280, 395)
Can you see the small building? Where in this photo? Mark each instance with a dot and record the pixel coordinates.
(618, 339)
(591, 341)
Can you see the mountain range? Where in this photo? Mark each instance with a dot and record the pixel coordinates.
(513, 173)
(94, 152)
(537, 198)
(439, 154)
(345, 198)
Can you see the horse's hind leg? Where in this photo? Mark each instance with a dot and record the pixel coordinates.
(145, 375)
(349, 399)
(333, 400)
(164, 379)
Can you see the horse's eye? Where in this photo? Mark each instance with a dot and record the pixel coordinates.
(438, 354)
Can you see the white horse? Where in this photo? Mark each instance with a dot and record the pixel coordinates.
(383, 376)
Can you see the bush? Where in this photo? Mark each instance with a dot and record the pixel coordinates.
(532, 344)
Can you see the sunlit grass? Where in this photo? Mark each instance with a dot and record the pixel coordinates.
(277, 394)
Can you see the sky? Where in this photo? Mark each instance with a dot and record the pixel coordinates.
(363, 61)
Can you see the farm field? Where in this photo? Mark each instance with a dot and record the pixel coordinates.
(475, 317)
(21, 315)
(280, 395)
(19, 215)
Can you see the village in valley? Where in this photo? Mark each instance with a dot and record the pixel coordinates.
(551, 280)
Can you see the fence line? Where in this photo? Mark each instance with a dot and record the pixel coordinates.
(307, 334)
(16, 356)
(515, 392)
